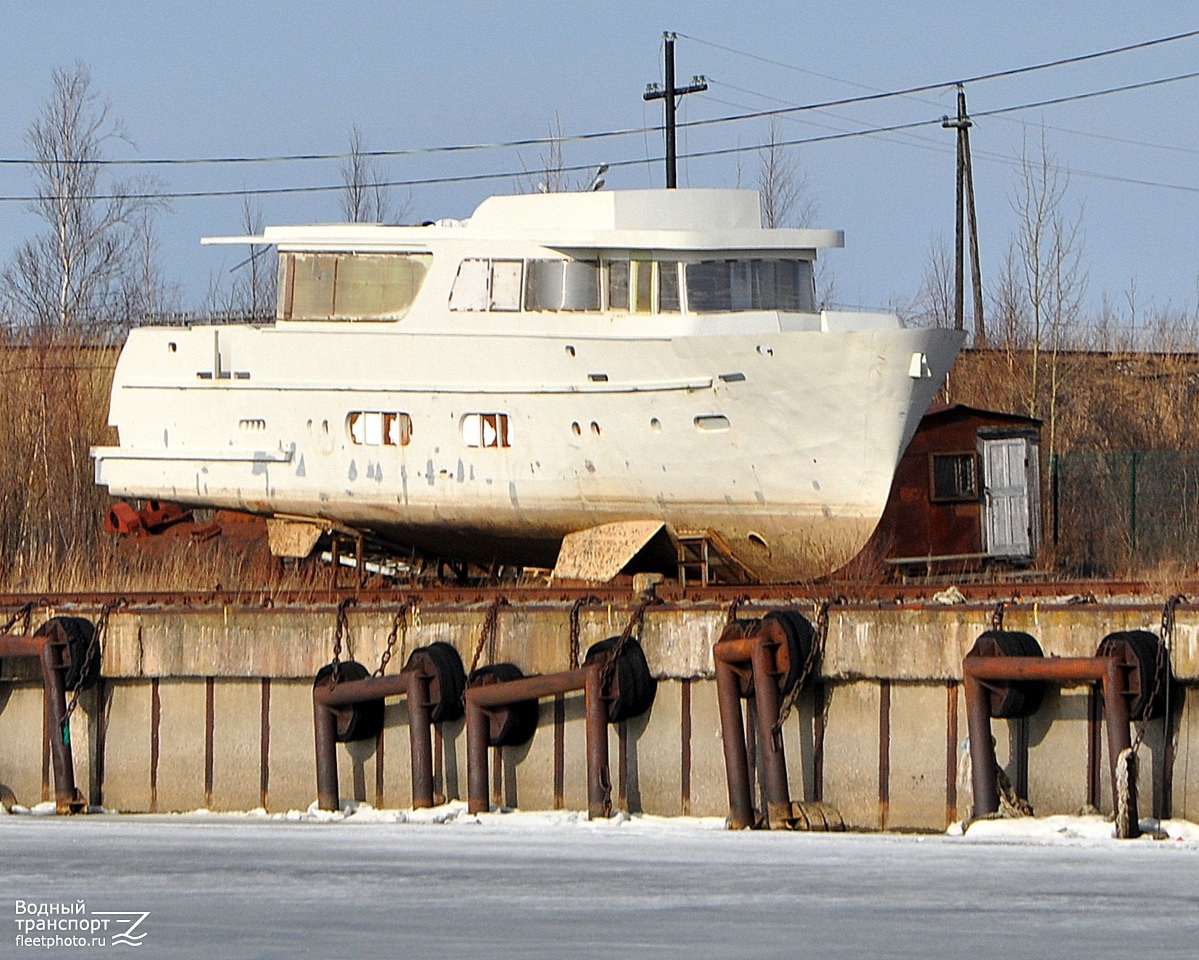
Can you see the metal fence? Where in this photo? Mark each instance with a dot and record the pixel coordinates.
(1125, 511)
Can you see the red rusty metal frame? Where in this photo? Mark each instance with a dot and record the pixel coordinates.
(739, 654)
(862, 595)
(978, 672)
(484, 698)
(327, 700)
(50, 652)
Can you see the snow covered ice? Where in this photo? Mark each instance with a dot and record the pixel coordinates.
(370, 883)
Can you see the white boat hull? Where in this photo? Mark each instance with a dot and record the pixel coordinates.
(601, 429)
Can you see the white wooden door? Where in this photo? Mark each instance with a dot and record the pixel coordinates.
(1006, 503)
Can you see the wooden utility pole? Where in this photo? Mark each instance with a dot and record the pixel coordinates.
(966, 220)
(669, 93)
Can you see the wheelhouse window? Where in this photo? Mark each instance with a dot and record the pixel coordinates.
(562, 285)
(487, 285)
(485, 430)
(643, 286)
(349, 286)
(723, 286)
(379, 429)
(955, 476)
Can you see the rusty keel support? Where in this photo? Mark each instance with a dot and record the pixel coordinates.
(979, 672)
(50, 650)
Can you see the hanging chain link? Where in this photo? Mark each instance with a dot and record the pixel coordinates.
(736, 603)
(22, 614)
(342, 628)
(399, 626)
(997, 615)
(815, 655)
(1161, 667)
(94, 650)
(488, 633)
(575, 609)
(634, 624)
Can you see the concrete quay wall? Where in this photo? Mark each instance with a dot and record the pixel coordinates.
(212, 707)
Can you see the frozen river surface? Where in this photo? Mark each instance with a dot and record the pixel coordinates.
(556, 886)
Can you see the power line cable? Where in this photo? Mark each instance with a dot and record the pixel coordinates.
(576, 168)
(623, 132)
(977, 78)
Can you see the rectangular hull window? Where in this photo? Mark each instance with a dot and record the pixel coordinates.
(485, 430)
(374, 428)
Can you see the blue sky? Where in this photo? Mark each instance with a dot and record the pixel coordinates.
(276, 78)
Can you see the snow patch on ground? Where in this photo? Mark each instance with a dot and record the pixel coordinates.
(1062, 827)
(1035, 830)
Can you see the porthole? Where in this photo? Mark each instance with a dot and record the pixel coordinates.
(655, 424)
(712, 422)
(595, 428)
(575, 428)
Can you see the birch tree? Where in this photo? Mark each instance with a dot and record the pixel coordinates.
(77, 269)
(365, 196)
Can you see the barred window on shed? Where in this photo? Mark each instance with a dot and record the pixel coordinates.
(955, 476)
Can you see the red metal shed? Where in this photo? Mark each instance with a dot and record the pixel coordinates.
(967, 490)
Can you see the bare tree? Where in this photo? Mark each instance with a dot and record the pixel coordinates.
(1009, 304)
(252, 292)
(934, 302)
(146, 291)
(782, 186)
(365, 195)
(552, 176)
(260, 280)
(1049, 245)
(79, 269)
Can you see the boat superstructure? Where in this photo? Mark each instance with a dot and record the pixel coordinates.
(558, 366)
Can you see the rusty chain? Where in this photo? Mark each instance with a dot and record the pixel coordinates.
(815, 655)
(488, 633)
(734, 605)
(342, 628)
(94, 649)
(997, 615)
(618, 648)
(1160, 667)
(22, 614)
(399, 624)
(575, 609)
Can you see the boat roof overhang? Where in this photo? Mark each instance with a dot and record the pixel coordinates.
(425, 239)
(686, 221)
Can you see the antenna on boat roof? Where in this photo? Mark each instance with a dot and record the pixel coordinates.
(670, 93)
